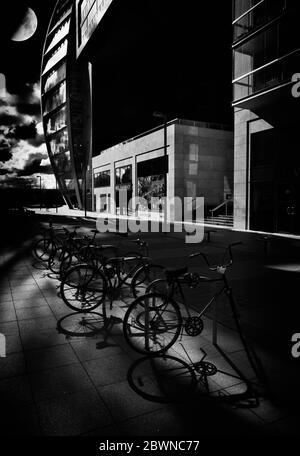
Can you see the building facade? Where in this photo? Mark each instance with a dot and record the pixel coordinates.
(199, 164)
(67, 96)
(266, 55)
(104, 74)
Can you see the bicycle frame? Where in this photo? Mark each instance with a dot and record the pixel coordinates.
(122, 280)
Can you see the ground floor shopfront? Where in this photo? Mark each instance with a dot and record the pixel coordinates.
(267, 174)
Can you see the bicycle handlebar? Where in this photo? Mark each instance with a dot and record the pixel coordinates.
(140, 242)
(214, 268)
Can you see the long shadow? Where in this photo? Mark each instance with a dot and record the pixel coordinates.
(17, 233)
(170, 380)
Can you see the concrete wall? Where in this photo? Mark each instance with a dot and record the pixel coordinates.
(246, 123)
(200, 161)
(204, 163)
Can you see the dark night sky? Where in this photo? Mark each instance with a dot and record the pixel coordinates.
(170, 56)
(21, 60)
(23, 154)
(197, 34)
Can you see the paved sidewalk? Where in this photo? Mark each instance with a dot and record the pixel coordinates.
(56, 384)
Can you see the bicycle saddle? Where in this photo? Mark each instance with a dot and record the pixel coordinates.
(108, 246)
(101, 247)
(115, 260)
(175, 273)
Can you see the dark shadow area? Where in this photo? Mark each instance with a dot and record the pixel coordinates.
(190, 388)
(80, 324)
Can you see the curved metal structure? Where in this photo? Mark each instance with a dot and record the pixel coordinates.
(66, 88)
(56, 78)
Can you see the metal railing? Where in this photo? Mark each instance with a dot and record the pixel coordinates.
(225, 203)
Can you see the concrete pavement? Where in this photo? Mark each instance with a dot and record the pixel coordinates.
(53, 383)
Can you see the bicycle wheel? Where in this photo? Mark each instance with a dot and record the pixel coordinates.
(161, 286)
(43, 249)
(158, 286)
(152, 324)
(56, 258)
(69, 261)
(83, 288)
(82, 324)
(162, 379)
(144, 276)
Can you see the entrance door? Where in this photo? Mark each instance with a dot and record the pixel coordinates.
(275, 181)
(262, 206)
(288, 208)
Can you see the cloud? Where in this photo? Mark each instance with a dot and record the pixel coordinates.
(24, 156)
(23, 151)
(5, 153)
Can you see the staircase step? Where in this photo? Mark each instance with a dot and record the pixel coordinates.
(222, 220)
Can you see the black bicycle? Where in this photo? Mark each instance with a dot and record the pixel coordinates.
(154, 321)
(84, 287)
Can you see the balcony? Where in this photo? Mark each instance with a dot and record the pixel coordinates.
(274, 74)
(258, 14)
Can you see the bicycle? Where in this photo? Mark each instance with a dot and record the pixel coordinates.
(73, 251)
(52, 237)
(85, 286)
(154, 321)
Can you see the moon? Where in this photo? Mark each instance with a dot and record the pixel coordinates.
(27, 27)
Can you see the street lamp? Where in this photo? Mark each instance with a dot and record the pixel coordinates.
(85, 199)
(40, 192)
(56, 195)
(163, 116)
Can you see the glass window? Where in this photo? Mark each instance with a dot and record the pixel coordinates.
(60, 142)
(152, 167)
(55, 99)
(60, 33)
(152, 187)
(258, 51)
(124, 176)
(84, 8)
(55, 77)
(263, 12)
(62, 11)
(90, 12)
(63, 164)
(102, 179)
(56, 56)
(269, 76)
(241, 6)
(56, 121)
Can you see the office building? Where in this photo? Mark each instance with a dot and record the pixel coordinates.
(266, 52)
(197, 163)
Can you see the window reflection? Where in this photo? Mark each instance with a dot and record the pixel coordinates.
(102, 179)
(59, 34)
(69, 184)
(241, 6)
(90, 12)
(261, 49)
(55, 77)
(263, 12)
(124, 176)
(56, 121)
(59, 143)
(56, 56)
(63, 164)
(56, 99)
(84, 8)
